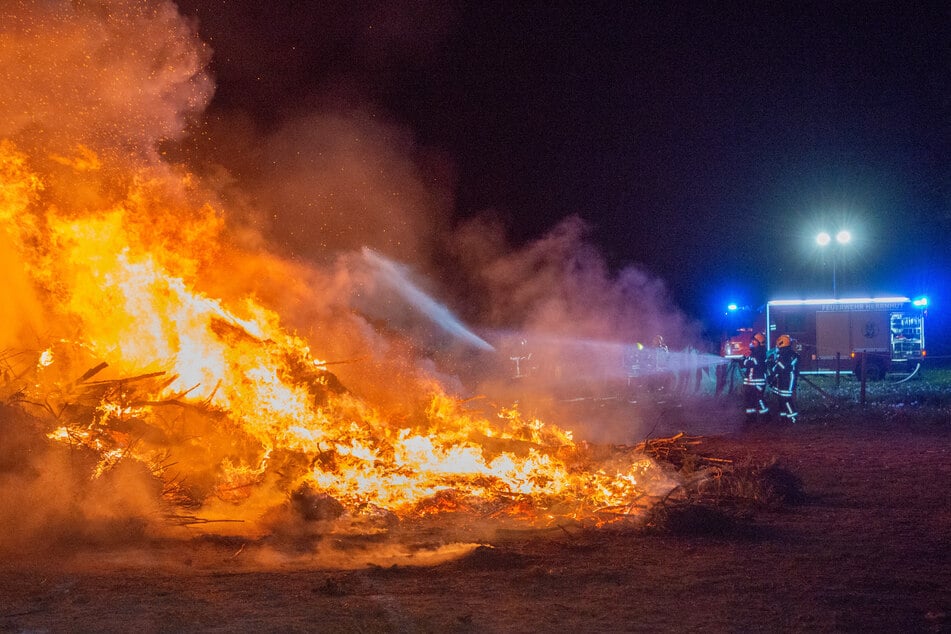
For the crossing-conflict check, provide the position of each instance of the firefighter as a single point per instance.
(785, 368)
(754, 377)
(664, 380)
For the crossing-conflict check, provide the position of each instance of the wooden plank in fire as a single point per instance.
(130, 379)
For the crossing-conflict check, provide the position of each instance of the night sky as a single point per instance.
(706, 142)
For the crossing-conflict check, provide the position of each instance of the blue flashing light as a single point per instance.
(731, 307)
(921, 302)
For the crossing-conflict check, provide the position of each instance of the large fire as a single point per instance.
(134, 341)
(237, 403)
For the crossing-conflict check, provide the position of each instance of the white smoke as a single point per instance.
(107, 74)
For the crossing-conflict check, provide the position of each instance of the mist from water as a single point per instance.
(609, 359)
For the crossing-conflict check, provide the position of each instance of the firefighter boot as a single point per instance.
(762, 408)
(790, 413)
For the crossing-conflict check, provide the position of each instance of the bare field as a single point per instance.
(863, 547)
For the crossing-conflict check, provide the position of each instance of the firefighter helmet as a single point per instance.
(758, 339)
(783, 341)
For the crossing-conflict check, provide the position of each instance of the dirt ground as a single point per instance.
(865, 548)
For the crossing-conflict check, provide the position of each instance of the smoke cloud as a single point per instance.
(332, 181)
(108, 74)
(560, 284)
(51, 505)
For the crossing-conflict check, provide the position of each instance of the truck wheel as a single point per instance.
(873, 372)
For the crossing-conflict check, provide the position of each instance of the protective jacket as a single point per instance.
(754, 380)
(785, 368)
(754, 367)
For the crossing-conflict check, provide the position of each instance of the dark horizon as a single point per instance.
(707, 144)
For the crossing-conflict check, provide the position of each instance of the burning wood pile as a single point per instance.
(229, 413)
(146, 333)
(342, 465)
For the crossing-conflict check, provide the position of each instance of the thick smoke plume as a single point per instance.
(561, 284)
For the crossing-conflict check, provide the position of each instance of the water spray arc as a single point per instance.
(397, 279)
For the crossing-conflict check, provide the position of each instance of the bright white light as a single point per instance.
(921, 302)
(850, 300)
(823, 239)
(731, 307)
(843, 237)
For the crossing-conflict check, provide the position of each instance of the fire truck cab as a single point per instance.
(885, 333)
(737, 345)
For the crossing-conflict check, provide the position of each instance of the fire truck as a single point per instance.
(886, 334)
